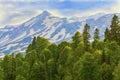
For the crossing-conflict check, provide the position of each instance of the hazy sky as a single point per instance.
(14, 12)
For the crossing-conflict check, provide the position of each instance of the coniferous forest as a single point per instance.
(78, 59)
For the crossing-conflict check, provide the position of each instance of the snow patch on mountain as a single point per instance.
(60, 35)
(49, 21)
(20, 37)
(30, 22)
(11, 45)
(56, 29)
(32, 31)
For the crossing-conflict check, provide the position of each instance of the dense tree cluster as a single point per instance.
(75, 60)
(113, 34)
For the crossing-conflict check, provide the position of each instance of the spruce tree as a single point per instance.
(34, 42)
(76, 39)
(114, 32)
(96, 41)
(107, 35)
(86, 37)
(96, 35)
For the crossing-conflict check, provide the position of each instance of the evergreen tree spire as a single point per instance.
(76, 39)
(114, 28)
(107, 35)
(96, 34)
(86, 37)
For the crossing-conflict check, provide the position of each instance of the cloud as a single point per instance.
(116, 7)
(17, 17)
(14, 12)
(3, 12)
(108, 8)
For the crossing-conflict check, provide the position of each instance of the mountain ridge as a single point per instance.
(56, 29)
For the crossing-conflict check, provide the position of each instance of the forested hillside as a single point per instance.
(79, 59)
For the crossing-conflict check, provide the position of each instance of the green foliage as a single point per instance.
(96, 35)
(114, 33)
(76, 39)
(116, 72)
(107, 35)
(89, 68)
(1, 73)
(114, 28)
(106, 72)
(9, 70)
(19, 77)
(86, 37)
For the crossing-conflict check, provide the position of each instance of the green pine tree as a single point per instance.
(86, 37)
(115, 29)
(107, 35)
(76, 39)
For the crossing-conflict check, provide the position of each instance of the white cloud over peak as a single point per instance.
(14, 12)
(116, 7)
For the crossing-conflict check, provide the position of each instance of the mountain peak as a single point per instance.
(44, 14)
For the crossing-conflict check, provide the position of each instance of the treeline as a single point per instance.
(75, 60)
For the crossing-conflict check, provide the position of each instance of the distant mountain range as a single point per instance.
(56, 29)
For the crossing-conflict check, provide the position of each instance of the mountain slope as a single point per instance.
(56, 29)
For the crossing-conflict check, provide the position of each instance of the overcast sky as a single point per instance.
(14, 12)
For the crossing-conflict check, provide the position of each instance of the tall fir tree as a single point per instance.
(96, 34)
(107, 35)
(115, 29)
(76, 39)
(86, 37)
(34, 42)
(96, 41)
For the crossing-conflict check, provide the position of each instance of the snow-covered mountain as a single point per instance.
(56, 29)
